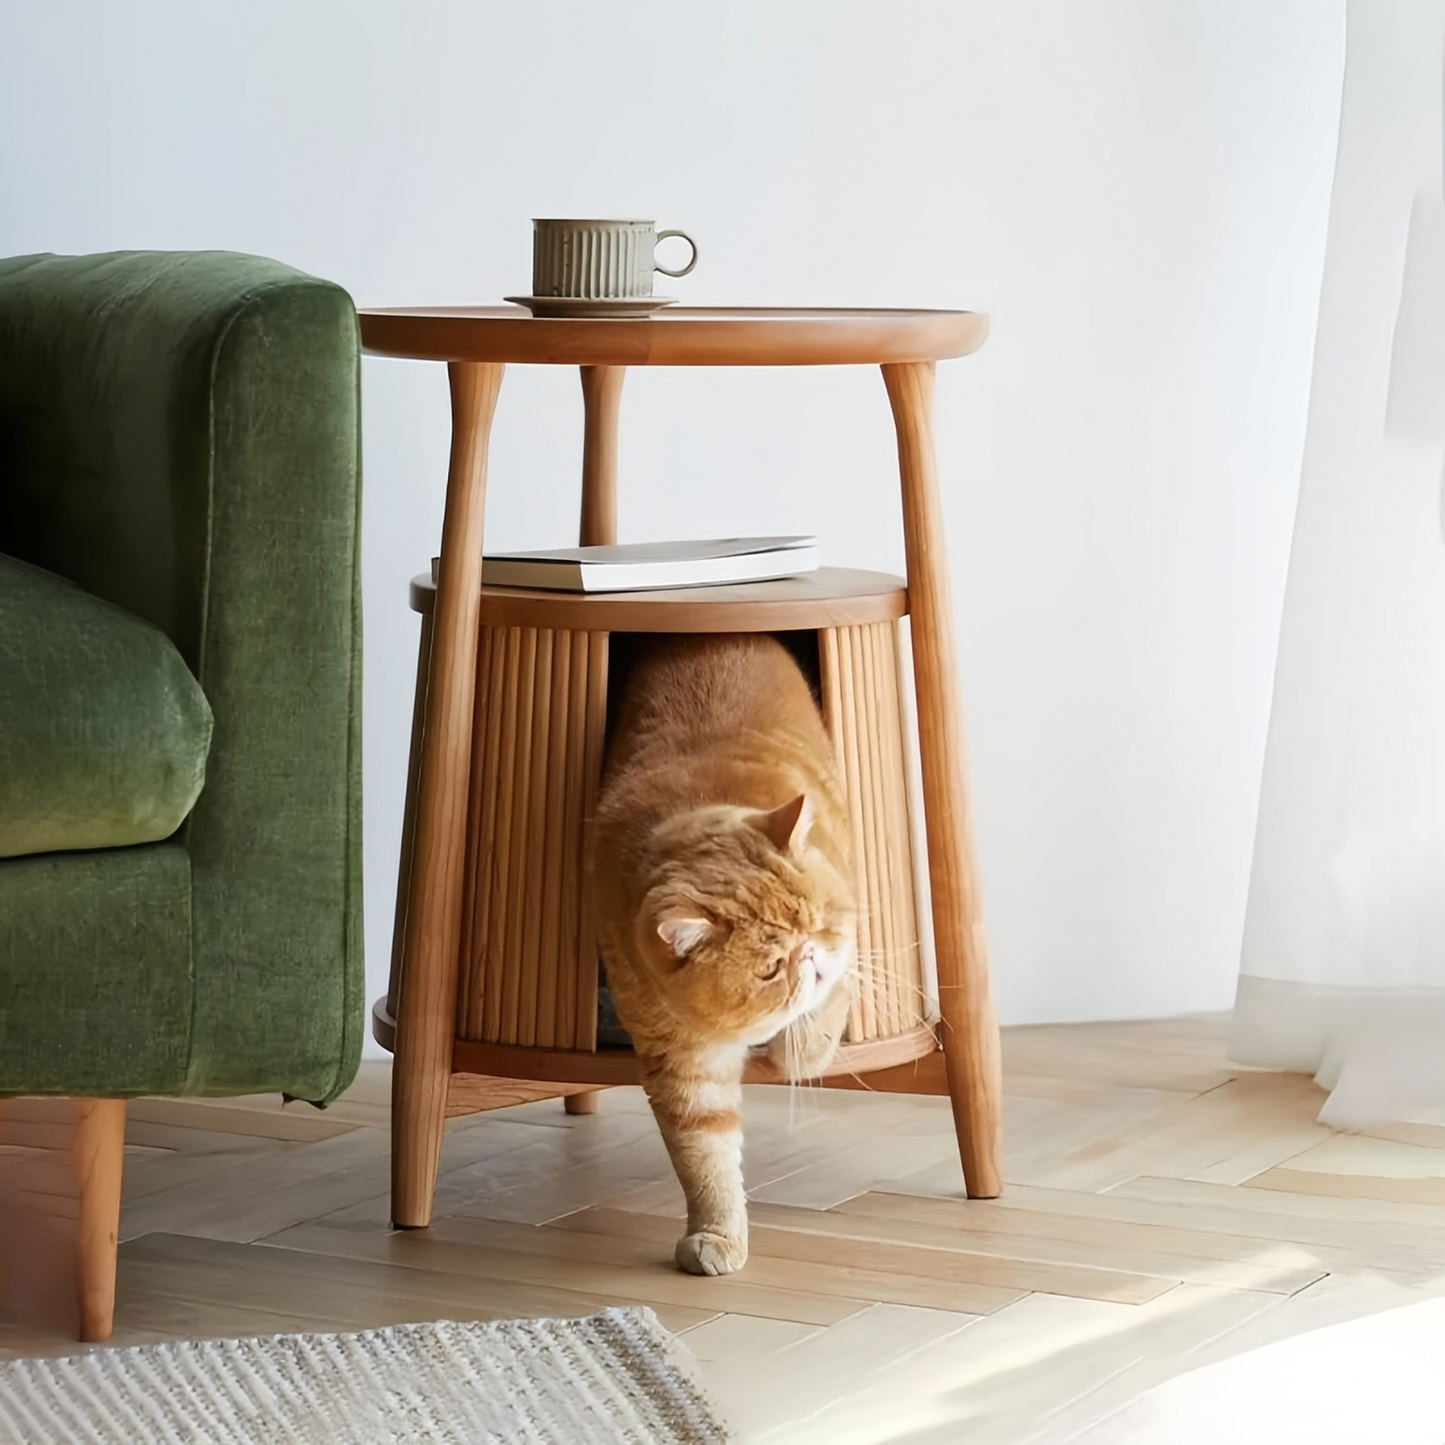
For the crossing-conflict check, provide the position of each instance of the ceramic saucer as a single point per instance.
(576, 307)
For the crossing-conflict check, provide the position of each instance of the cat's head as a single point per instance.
(746, 925)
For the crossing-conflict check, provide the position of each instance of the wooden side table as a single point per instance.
(496, 664)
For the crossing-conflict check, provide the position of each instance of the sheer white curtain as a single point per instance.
(1343, 966)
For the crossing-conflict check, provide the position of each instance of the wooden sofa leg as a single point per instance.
(98, 1154)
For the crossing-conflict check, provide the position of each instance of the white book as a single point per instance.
(641, 566)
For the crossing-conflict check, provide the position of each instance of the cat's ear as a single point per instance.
(682, 935)
(787, 827)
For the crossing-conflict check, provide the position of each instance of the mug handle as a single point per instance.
(662, 236)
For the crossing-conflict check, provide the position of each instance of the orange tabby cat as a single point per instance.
(725, 902)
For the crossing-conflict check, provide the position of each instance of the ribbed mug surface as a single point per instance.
(593, 260)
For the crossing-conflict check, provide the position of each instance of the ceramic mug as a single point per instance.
(599, 260)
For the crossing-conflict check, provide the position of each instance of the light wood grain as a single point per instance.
(830, 686)
(829, 597)
(744, 1336)
(878, 1308)
(517, 923)
(1179, 1054)
(98, 1155)
(1279, 1212)
(480, 1093)
(1227, 1134)
(1208, 1244)
(428, 996)
(594, 742)
(557, 846)
(619, 1066)
(299, 1121)
(255, 1195)
(318, 1289)
(822, 1238)
(627, 1271)
(1360, 1154)
(970, 1033)
(481, 956)
(832, 1273)
(1179, 1254)
(876, 786)
(1004, 1380)
(866, 987)
(875, 895)
(892, 856)
(471, 970)
(533, 870)
(1352, 1186)
(819, 1234)
(908, 967)
(408, 820)
(783, 1398)
(679, 336)
(570, 964)
(504, 782)
(602, 398)
(533, 783)
(926, 1074)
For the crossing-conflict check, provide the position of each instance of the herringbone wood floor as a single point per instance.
(1164, 1209)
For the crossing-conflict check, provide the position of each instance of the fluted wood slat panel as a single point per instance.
(529, 973)
(555, 781)
(853, 779)
(529, 958)
(830, 676)
(864, 812)
(573, 815)
(593, 740)
(472, 893)
(534, 867)
(499, 775)
(486, 859)
(903, 888)
(514, 919)
(861, 708)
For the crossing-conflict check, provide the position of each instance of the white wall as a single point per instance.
(1136, 190)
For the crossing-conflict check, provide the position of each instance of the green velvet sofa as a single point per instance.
(180, 797)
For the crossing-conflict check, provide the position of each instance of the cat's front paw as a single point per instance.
(705, 1253)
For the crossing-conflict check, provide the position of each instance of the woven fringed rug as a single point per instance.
(617, 1377)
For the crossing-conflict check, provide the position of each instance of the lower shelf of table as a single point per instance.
(619, 1066)
(829, 597)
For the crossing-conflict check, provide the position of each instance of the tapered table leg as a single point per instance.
(426, 1018)
(601, 397)
(969, 1032)
(97, 1157)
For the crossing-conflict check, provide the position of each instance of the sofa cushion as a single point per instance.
(103, 730)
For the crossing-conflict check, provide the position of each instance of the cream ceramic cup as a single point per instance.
(599, 260)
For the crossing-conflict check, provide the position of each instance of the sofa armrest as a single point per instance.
(179, 435)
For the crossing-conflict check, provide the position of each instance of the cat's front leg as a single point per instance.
(697, 1104)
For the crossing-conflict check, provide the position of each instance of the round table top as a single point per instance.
(677, 336)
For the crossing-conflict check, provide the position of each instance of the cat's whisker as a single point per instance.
(887, 953)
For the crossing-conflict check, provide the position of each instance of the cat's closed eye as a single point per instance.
(772, 968)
